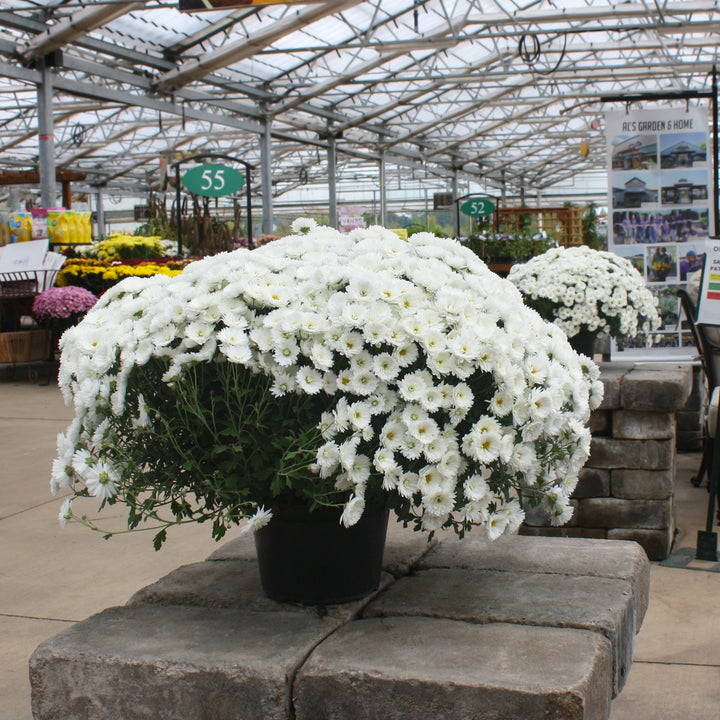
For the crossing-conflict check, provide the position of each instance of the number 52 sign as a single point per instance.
(212, 180)
(478, 207)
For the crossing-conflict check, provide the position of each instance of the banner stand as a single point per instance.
(708, 313)
(709, 303)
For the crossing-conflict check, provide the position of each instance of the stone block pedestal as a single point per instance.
(519, 629)
(626, 489)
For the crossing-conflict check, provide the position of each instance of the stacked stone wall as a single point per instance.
(689, 417)
(626, 489)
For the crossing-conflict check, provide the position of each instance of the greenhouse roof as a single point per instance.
(500, 91)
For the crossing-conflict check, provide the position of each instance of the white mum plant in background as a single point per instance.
(324, 369)
(585, 290)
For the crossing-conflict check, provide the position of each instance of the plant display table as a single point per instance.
(519, 629)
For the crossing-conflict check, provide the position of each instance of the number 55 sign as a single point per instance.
(212, 180)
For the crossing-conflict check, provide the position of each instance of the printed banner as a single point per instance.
(709, 301)
(659, 200)
(350, 217)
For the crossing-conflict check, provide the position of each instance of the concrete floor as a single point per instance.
(50, 577)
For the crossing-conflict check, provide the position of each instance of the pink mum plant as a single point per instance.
(62, 303)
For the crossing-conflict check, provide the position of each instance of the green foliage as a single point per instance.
(526, 222)
(589, 227)
(154, 226)
(509, 247)
(220, 438)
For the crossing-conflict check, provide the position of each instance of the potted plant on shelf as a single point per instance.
(589, 294)
(323, 374)
(502, 250)
(59, 308)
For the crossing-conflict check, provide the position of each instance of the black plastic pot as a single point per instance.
(583, 342)
(312, 559)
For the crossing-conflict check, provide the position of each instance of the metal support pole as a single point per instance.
(455, 205)
(46, 139)
(178, 213)
(332, 180)
(707, 540)
(716, 152)
(248, 203)
(383, 189)
(99, 214)
(266, 177)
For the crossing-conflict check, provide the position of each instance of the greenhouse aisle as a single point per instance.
(51, 577)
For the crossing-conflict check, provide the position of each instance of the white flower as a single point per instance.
(61, 476)
(353, 511)
(351, 343)
(303, 225)
(359, 471)
(406, 354)
(410, 447)
(321, 356)
(392, 434)
(347, 452)
(476, 489)
(360, 414)
(286, 352)
(438, 503)
(462, 396)
(260, 519)
(415, 385)
(309, 380)
(284, 382)
(425, 430)
(240, 353)
(408, 484)
(232, 336)
(328, 458)
(515, 515)
(495, 525)
(430, 480)
(386, 366)
(431, 523)
(363, 383)
(198, 332)
(384, 460)
(82, 461)
(101, 480)
(501, 403)
(66, 512)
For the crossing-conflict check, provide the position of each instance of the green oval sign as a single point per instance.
(478, 207)
(213, 180)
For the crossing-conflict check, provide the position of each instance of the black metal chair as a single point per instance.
(710, 362)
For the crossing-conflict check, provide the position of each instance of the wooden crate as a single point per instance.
(24, 346)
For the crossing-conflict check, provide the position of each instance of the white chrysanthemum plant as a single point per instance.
(588, 291)
(325, 369)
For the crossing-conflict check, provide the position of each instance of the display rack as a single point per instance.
(17, 292)
(26, 283)
(564, 224)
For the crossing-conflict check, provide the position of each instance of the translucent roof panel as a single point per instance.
(493, 91)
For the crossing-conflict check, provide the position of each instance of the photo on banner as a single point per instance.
(659, 200)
